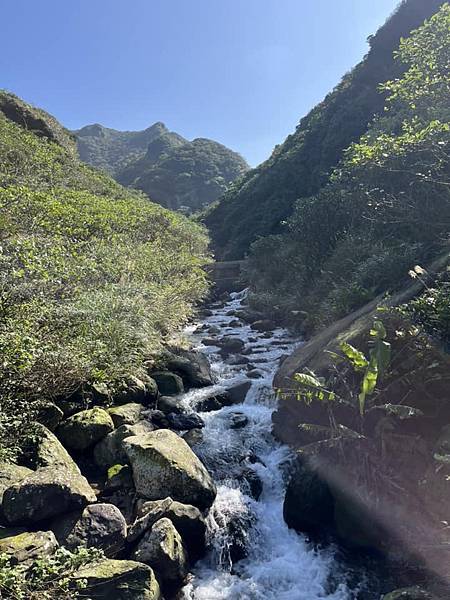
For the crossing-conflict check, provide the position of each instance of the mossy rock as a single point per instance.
(46, 493)
(49, 452)
(119, 580)
(163, 549)
(86, 428)
(164, 465)
(10, 474)
(126, 414)
(111, 450)
(28, 546)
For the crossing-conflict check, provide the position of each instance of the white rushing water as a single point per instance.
(280, 565)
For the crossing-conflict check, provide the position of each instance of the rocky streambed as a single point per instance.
(180, 483)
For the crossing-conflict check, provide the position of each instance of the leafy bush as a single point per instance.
(47, 578)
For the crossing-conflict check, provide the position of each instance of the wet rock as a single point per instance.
(193, 437)
(237, 360)
(255, 374)
(258, 361)
(158, 419)
(185, 421)
(235, 323)
(162, 548)
(169, 384)
(263, 325)
(238, 392)
(46, 493)
(126, 414)
(97, 526)
(205, 312)
(253, 482)
(192, 366)
(84, 429)
(210, 342)
(169, 404)
(28, 546)
(215, 402)
(164, 465)
(231, 345)
(119, 580)
(238, 420)
(248, 316)
(110, 450)
(213, 330)
(411, 593)
(308, 504)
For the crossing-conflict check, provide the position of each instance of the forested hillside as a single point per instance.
(386, 207)
(258, 204)
(93, 277)
(172, 171)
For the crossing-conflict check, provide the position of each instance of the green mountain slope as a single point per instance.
(171, 170)
(93, 276)
(257, 204)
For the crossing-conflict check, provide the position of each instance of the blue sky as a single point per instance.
(242, 72)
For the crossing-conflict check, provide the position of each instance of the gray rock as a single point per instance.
(169, 404)
(10, 474)
(263, 325)
(28, 546)
(141, 391)
(255, 374)
(193, 437)
(238, 420)
(193, 367)
(169, 384)
(231, 345)
(183, 422)
(410, 593)
(49, 452)
(214, 402)
(238, 392)
(49, 415)
(164, 465)
(119, 580)
(188, 521)
(162, 548)
(97, 526)
(46, 493)
(126, 414)
(84, 429)
(110, 450)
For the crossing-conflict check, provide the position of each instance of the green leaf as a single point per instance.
(356, 357)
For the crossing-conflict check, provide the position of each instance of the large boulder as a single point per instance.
(308, 504)
(188, 521)
(169, 384)
(237, 393)
(46, 493)
(263, 325)
(126, 414)
(28, 546)
(119, 580)
(111, 451)
(86, 428)
(98, 525)
(162, 548)
(49, 452)
(164, 465)
(185, 422)
(10, 474)
(192, 366)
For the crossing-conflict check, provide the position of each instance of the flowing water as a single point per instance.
(280, 564)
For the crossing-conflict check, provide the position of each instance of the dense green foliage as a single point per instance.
(258, 204)
(48, 577)
(172, 171)
(387, 205)
(92, 279)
